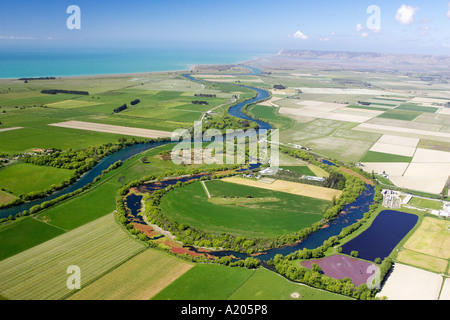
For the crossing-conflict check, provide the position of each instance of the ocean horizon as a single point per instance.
(28, 63)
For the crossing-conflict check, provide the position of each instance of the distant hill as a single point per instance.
(368, 57)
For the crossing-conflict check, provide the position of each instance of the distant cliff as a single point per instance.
(368, 57)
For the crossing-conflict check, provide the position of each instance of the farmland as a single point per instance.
(95, 247)
(242, 210)
(198, 284)
(139, 278)
(401, 134)
(38, 177)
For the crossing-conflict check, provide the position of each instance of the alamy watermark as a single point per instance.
(74, 280)
(239, 146)
(74, 20)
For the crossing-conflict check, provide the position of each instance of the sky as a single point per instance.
(254, 25)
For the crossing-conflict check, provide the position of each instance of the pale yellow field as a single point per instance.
(422, 261)
(289, 187)
(409, 283)
(431, 238)
(90, 126)
(40, 273)
(137, 279)
(72, 104)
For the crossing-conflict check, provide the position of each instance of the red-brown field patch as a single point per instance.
(340, 267)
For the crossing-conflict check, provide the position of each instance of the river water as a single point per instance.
(350, 214)
(125, 154)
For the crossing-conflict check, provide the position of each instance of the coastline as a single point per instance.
(112, 75)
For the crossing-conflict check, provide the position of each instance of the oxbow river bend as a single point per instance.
(349, 215)
(129, 152)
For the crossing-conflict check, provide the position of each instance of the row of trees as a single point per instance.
(55, 91)
(285, 266)
(121, 108)
(204, 103)
(205, 95)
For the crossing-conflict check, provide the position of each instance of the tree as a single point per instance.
(354, 253)
(316, 268)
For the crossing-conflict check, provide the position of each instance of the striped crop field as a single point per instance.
(140, 278)
(40, 273)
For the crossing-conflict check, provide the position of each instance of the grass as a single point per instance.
(400, 115)
(271, 115)
(6, 197)
(267, 285)
(216, 282)
(425, 203)
(423, 261)
(25, 177)
(268, 213)
(206, 282)
(139, 278)
(40, 273)
(25, 234)
(303, 170)
(416, 107)
(82, 209)
(165, 105)
(431, 238)
(372, 156)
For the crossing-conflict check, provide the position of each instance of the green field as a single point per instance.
(41, 272)
(25, 234)
(400, 115)
(373, 156)
(270, 114)
(6, 197)
(242, 210)
(139, 278)
(425, 203)
(206, 282)
(416, 107)
(216, 282)
(165, 104)
(303, 170)
(23, 178)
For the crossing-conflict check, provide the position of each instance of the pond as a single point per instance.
(386, 231)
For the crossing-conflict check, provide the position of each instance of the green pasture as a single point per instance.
(216, 282)
(205, 282)
(23, 178)
(303, 170)
(40, 273)
(25, 234)
(6, 197)
(400, 115)
(416, 107)
(271, 115)
(373, 156)
(241, 210)
(425, 203)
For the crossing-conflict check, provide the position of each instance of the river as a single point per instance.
(127, 153)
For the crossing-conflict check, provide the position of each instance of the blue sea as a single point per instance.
(65, 62)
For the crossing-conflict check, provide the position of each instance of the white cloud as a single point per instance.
(405, 14)
(300, 35)
(364, 34)
(17, 38)
(359, 27)
(423, 31)
(448, 12)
